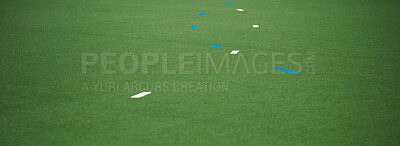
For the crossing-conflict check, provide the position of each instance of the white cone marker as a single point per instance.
(256, 26)
(240, 10)
(235, 52)
(140, 95)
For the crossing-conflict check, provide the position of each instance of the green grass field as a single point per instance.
(347, 92)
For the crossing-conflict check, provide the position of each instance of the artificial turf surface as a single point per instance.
(351, 99)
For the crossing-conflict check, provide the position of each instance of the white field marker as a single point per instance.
(240, 10)
(235, 52)
(256, 26)
(140, 95)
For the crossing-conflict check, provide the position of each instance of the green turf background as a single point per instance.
(353, 99)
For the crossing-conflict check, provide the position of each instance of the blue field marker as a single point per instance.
(201, 14)
(193, 27)
(286, 71)
(228, 4)
(215, 46)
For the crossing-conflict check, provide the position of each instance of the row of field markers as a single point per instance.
(142, 94)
